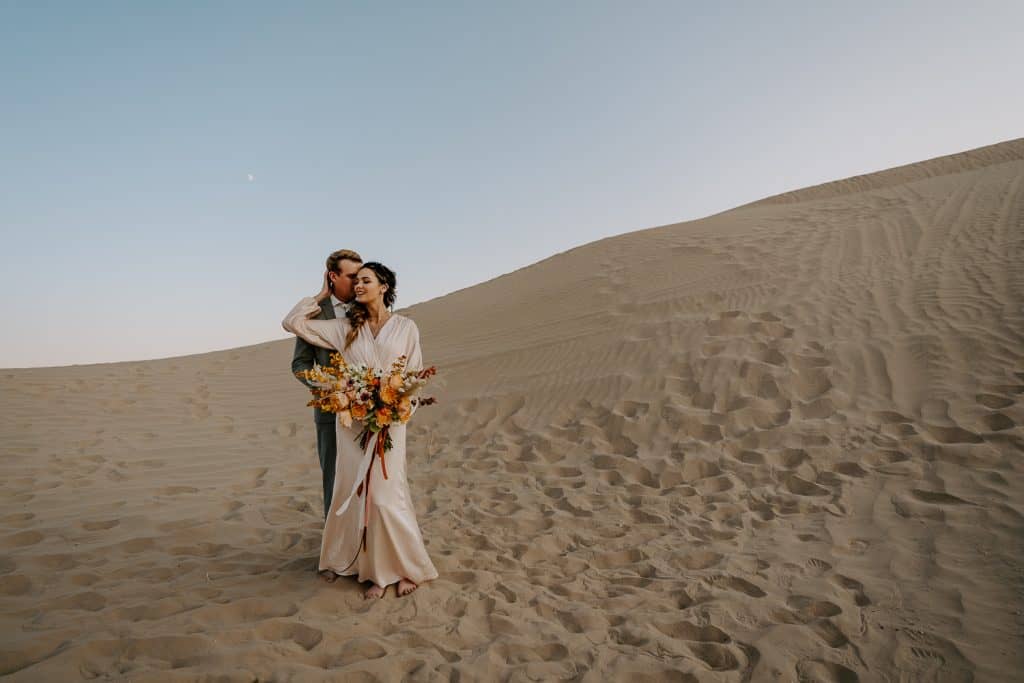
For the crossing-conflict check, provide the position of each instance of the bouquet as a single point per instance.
(377, 398)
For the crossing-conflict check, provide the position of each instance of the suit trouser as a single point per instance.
(327, 449)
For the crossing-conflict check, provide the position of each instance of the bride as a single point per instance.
(393, 551)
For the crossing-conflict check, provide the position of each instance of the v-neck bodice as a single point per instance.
(386, 322)
(396, 337)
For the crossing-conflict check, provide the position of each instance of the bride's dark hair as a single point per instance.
(357, 313)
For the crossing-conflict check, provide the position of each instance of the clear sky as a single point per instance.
(173, 174)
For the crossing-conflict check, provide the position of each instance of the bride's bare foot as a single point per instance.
(328, 576)
(405, 586)
(374, 591)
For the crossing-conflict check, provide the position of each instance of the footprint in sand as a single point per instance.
(938, 497)
(102, 656)
(176, 490)
(714, 656)
(22, 539)
(737, 584)
(829, 633)
(137, 545)
(304, 636)
(355, 651)
(686, 630)
(816, 566)
(85, 579)
(98, 524)
(17, 519)
(200, 550)
(89, 601)
(702, 559)
(951, 435)
(15, 584)
(850, 469)
(997, 422)
(821, 671)
(808, 608)
(286, 430)
(854, 586)
(994, 402)
(802, 487)
(888, 461)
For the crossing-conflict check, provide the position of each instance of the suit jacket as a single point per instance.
(307, 354)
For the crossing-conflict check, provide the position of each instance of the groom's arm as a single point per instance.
(303, 358)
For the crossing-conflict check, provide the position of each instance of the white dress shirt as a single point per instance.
(340, 307)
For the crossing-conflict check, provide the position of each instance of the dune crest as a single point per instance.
(779, 443)
(972, 159)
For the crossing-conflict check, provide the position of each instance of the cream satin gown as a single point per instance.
(394, 546)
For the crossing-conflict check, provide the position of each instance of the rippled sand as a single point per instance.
(780, 443)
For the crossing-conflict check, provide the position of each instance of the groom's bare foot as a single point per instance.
(405, 586)
(374, 591)
(328, 576)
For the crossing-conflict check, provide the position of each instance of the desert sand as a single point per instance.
(780, 443)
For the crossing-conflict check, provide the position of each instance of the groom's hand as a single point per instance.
(325, 291)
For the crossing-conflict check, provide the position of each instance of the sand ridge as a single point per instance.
(779, 443)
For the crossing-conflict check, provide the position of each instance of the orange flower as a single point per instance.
(395, 381)
(341, 400)
(404, 409)
(383, 416)
(359, 411)
(388, 395)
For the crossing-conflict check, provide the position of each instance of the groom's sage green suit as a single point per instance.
(303, 358)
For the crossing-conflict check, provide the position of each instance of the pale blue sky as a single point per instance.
(453, 141)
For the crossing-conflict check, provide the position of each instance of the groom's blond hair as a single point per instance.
(342, 255)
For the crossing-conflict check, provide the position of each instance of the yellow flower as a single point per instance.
(341, 400)
(359, 411)
(388, 395)
(395, 381)
(383, 416)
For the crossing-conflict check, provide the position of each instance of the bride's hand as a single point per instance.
(325, 291)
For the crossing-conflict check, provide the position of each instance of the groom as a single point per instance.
(342, 267)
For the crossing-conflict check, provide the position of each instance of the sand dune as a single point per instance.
(780, 443)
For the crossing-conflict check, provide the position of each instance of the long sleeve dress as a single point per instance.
(394, 546)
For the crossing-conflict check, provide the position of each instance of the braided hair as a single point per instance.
(357, 313)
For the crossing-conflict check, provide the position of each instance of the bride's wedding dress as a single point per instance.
(394, 547)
